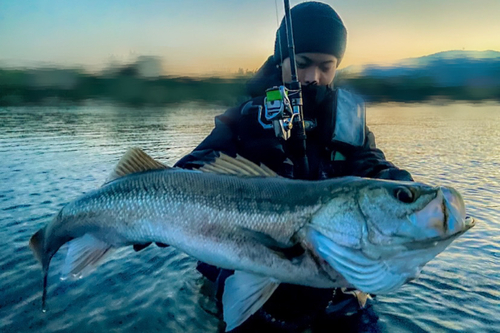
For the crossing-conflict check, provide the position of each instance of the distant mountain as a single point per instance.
(445, 69)
(450, 55)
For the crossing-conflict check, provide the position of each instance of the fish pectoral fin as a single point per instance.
(244, 294)
(135, 160)
(239, 166)
(285, 251)
(84, 254)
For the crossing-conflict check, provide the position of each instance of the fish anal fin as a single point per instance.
(135, 160)
(84, 254)
(244, 294)
(36, 244)
(239, 166)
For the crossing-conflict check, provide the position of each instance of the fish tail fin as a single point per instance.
(44, 292)
(37, 245)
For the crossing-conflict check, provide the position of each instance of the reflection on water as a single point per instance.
(51, 155)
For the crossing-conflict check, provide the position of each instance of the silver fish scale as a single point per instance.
(218, 219)
(255, 203)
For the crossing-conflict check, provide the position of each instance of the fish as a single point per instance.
(350, 232)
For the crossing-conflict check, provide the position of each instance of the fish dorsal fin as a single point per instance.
(240, 166)
(244, 294)
(135, 160)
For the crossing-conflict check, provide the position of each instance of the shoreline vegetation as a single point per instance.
(52, 86)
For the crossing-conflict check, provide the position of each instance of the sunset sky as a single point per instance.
(200, 36)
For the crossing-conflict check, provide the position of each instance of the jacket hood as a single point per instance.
(268, 76)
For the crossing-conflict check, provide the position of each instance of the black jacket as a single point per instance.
(238, 131)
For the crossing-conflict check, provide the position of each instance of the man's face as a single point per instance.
(312, 68)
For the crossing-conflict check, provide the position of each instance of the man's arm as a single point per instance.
(369, 161)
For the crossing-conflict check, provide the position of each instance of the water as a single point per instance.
(48, 156)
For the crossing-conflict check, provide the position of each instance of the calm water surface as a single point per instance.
(49, 156)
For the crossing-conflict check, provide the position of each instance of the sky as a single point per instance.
(219, 36)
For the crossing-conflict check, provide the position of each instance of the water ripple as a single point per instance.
(50, 156)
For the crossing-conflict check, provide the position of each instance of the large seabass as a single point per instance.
(372, 235)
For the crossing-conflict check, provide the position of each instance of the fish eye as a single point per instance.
(404, 194)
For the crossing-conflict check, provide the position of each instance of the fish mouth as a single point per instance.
(442, 218)
(454, 210)
(469, 222)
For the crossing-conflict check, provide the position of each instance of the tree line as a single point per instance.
(54, 86)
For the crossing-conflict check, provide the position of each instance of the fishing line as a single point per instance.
(278, 26)
(279, 37)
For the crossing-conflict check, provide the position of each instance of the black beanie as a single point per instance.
(317, 28)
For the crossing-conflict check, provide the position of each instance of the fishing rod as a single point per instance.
(296, 98)
(284, 107)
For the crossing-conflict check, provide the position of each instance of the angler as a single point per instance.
(337, 141)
